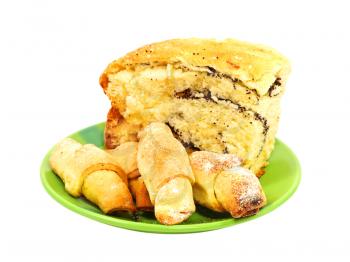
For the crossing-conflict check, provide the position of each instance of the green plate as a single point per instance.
(280, 182)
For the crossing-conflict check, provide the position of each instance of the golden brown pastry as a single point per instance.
(174, 201)
(134, 174)
(140, 194)
(239, 192)
(219, 96)
(222, 185)
(126, 156)
(74, 163)
(165, 168)
(61, 159)
(118, 131)
(107, 190)
(206, 166)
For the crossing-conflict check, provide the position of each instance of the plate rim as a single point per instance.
(158, 228)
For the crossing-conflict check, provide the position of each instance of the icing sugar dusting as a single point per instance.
(207, 166)
(214, 162)
(249, 187)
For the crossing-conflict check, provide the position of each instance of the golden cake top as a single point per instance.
(256, 66)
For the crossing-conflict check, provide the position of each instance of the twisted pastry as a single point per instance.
(165, 168)
(88, 170)
(224, 186)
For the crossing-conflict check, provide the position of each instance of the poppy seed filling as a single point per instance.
(207, 95)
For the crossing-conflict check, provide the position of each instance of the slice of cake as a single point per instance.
(219, 96)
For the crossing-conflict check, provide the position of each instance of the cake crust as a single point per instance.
(257, 66)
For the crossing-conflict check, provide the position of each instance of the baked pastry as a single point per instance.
(206, 166)
(165, 168)
(118, 131)
(126, 157)
(219, 96)
(108, 191)
(239, 192)
(223, 186)
(140, 194)
(88, 170)
(174, 201)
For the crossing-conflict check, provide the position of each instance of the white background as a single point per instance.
(51, 55)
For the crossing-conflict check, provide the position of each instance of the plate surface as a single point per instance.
(280, 182)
